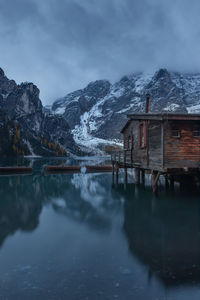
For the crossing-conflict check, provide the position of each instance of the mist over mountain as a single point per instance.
(89, 119)
(68, 43)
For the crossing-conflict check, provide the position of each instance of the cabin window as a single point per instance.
(196, 133)
(176, 133)
(142, 136)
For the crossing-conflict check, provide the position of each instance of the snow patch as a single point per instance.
(135, 102)
(142, 81)
(171, 107)
(116, 92)
(88, 123)
(194, 109)
(31, 150)
(60, 110)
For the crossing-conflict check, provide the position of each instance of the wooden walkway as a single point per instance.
(125, 159)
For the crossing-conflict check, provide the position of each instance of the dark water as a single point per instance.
(80, 237)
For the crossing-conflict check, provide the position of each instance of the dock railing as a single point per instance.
(122, 157)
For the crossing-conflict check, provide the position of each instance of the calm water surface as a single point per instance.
(81, 237)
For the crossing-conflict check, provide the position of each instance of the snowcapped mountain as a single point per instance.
(98, 112)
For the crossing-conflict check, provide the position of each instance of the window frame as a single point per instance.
(175, 130)
(142, 135)
(196, 130)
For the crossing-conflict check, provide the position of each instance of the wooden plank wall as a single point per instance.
(139, 155)
(155, 144)
(183, 151)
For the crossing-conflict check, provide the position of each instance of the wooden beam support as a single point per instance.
(113, 172)
(125, 176)
(154, 181)
(166, 182)
(137, 176)
(143, 177)
(117, 173)
(171, 179)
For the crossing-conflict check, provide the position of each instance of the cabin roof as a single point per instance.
(161, 117)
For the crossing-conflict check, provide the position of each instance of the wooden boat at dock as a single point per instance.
(105, 168)
(77, 169)
(15, 170)
(62, 169)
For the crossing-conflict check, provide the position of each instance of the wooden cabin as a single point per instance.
(162, 143)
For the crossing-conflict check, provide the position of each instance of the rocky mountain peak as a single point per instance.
(126, 82)
(23, 99)
(98, 88)
(6, 85)
(25, 128)
(162, 73)
(101, 105)
(1, 73)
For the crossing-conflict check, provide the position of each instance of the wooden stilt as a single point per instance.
(154, 181)
(143, 176)
(125, 176)
(113, 173)
(166, 182)
(117, 174)
(171, 179)
(137, 176)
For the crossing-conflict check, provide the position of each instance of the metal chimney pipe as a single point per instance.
(147, 103)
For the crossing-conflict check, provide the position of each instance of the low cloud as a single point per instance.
(63, 45)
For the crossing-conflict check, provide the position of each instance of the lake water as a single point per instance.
(79, 236)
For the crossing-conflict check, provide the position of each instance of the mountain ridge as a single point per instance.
(25, 128)
(96, 118)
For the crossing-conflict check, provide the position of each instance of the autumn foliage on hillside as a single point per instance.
(13, 143)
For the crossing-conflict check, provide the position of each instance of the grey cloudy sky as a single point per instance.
(61, 45)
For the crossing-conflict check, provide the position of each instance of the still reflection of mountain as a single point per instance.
(20, 205)
(83, 197)
(164, 234)
(89, 200)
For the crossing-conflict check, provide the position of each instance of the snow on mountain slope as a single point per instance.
(90, 122)
(97, 113)
(190, 86)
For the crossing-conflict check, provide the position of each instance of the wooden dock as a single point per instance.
(125, 160)
(161, 144)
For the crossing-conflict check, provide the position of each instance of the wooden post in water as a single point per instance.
(143, 176)
(117, 173)
(113, 172)
(154, 180)
(166, 182)
(171, 179)
(125, 176)
(137, 176)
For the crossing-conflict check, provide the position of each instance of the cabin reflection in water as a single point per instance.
(164, 234)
